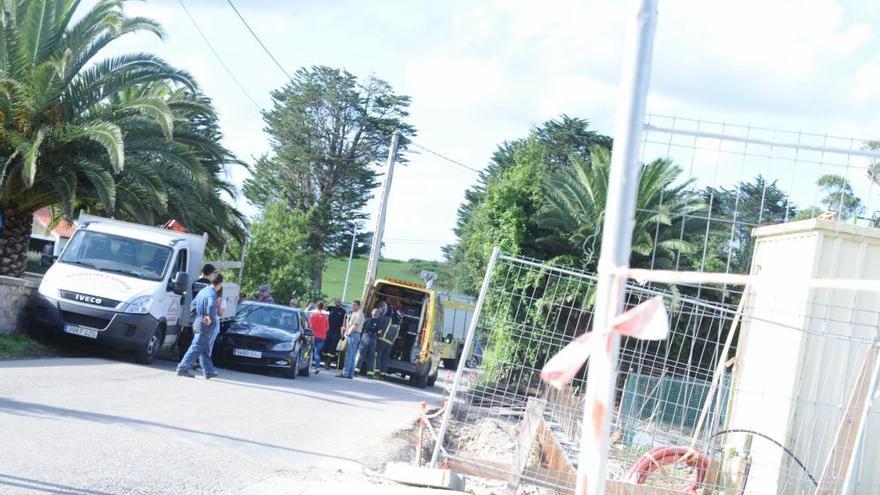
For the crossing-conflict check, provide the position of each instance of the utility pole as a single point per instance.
(348, 270)
(373, 264)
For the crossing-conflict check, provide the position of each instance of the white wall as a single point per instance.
(801, 350)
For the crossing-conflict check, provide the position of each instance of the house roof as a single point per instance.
(65, 227)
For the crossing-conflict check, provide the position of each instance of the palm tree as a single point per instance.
(575, 208)
(127, 135)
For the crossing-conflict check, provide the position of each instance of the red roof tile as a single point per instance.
(65, 227)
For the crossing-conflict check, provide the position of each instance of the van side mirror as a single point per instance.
(179, 283)
(47, 257)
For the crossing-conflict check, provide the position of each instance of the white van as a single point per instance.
(124, 285)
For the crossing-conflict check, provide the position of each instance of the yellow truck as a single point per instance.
(414, 353)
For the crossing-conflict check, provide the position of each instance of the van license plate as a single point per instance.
(81, 331)
(247, 353)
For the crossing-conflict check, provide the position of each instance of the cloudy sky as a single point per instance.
(483, 72)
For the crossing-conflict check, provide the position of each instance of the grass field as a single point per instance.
(334, 274)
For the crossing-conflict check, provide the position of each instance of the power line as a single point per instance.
(248, 26)
(450, 160)
(217, 55)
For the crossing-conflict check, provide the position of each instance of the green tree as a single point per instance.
(506, 217)
(553, 144)
(575, 210)
(278, 253)
(80, 132)
(733, 214)
(327, 130)
(561, 140)
(839, 196)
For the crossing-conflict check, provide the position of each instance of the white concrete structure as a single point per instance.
(801, 350)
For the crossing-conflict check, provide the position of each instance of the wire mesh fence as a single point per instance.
(756, 389)
(771, 423)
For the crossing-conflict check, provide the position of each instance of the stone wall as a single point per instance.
(15, 296)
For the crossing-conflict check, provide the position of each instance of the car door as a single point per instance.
(174, 303)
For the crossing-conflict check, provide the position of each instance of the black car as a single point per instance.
(271, 337)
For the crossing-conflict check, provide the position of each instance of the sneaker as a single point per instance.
(341, 375)
(210, 375)
(186, 373)
(317, 370)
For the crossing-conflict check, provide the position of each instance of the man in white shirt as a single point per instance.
(353, 329)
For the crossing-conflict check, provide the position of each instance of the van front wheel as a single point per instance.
(150, 348)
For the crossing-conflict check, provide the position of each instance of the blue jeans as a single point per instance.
(199, 349)
(351, 350)
(319, 345)
(215, 331)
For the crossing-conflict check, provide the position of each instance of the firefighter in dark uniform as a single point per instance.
(386, 339)
(366, 354)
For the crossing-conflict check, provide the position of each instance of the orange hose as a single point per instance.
(662, 456)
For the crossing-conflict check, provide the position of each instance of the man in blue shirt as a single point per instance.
(204, 305)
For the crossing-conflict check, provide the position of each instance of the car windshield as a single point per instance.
(122, 255)
(270, 316)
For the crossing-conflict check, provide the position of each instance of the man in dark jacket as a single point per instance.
(336, 316)
(366, 358)
(385, 340)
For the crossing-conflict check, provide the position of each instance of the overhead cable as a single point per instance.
(262, 45)
(218, 57)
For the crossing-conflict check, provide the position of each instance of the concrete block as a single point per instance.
(423, 476)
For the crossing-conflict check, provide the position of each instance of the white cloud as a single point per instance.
(483, 72)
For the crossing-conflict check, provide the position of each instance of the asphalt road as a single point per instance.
(103, 426)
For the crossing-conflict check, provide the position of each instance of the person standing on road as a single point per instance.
(319, 323)
(385, 340)
(264, 295)
(366, 355)
(294, 302)
(204, 280)
(353, 329)
(215, 330)
(336, 316)
(205, 307)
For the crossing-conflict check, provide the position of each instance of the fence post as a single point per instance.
(616, 245)
(465, 352)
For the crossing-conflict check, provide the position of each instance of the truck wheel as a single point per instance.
(450, 363)
(420, 380)
(432, 379)
(150, 348)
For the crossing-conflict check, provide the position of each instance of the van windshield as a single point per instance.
(122, 255)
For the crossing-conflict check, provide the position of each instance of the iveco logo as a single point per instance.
(88, 299)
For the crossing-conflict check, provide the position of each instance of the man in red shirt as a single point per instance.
(319, 322)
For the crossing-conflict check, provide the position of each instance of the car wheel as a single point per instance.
(291, 372)
(307, 369)
(150, 348)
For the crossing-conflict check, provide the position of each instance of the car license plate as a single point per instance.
(247, 353)
(81, 331)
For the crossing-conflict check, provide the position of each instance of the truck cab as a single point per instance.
(123, 285)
